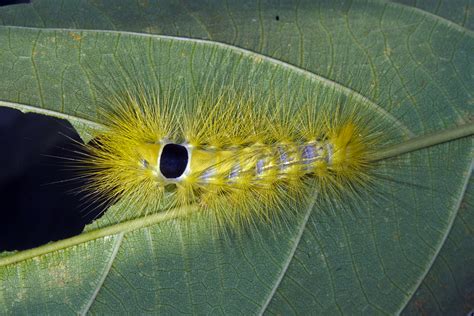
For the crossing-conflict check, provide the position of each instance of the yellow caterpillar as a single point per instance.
(236, 156)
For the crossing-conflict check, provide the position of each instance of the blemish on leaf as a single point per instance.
(75, 36)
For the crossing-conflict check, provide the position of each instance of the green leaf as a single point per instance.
(457, 11)
(420, 69)
(447, 288)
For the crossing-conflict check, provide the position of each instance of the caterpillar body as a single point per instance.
(237, 158)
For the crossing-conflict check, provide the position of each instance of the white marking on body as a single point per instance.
(283, 158)
(234, 172)
(330, 153)
(207, 174)
(259, 167)
(308, 154)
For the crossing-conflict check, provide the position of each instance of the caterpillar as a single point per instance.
(238, 156)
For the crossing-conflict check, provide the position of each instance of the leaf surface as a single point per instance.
(420, 68)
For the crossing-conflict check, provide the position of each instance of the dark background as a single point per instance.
(39, 198)
(7, 2)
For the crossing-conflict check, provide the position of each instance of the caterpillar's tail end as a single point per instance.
(351, 152)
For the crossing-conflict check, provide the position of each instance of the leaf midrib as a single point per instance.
(115, 229)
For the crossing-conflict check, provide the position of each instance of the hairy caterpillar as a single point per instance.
(238, 156)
